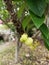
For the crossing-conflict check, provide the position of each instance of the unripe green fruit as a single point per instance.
(23, 37)
(29, 41)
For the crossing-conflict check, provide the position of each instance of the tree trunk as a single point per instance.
(16, 22)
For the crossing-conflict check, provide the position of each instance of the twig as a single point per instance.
(35, 35)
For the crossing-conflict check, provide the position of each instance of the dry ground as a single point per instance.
(39, 56)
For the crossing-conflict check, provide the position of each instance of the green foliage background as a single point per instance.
(32, 13)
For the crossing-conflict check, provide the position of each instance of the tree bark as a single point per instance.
(14, 17)
(16, 22)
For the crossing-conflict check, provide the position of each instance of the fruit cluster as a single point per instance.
(25, 39)
(28, 41)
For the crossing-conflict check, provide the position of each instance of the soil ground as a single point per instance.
(39, 56)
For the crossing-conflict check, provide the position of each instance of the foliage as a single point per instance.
(37, 7)
(32, 11)
(3, 12)
(37, 14)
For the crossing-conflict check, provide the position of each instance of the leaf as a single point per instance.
(17, 0)
(47, 1)
(21, 10)
(29, 28)
(25, 22)
(38, 21)
(45, 34)
(44, 30)
(37, 6)
(46, 42)
(30, 25)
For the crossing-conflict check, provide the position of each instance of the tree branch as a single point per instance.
(14, 18)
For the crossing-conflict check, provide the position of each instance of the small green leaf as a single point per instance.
(25, 22)
(21, 10)
(38, 21)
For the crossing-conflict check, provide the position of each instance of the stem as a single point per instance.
(35, 35)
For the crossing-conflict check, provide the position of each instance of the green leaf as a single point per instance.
(25, 22)
(37, 6)
(16, 0)
(38, 21)
(46, 42)
(47, 1)
(45, 34)
(30, 25)
(21, 10)
(44, 30)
